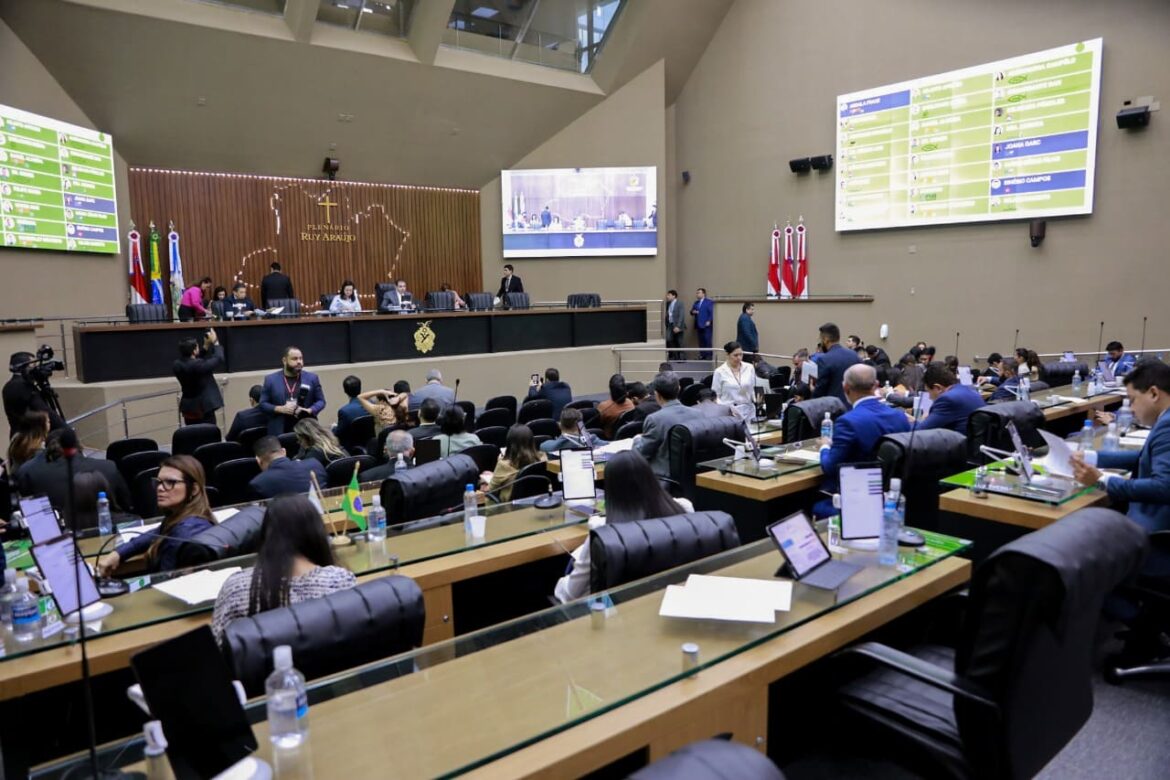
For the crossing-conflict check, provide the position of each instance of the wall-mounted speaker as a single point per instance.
(686, 177)
(1133, 117)
(822, 162)
(1036, 230)
(330, 167)
(800, 165)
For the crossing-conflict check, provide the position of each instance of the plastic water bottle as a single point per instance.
(401, 464)
(470, 507)
(1112, 440)
(827, 427)
(1087, 436)
(1076, 382)
(891, 526)
(288, 704)
(7, 596)
(26, 613)
(1124, 417)
(104, 518)
(1025, 388)
(376, 521)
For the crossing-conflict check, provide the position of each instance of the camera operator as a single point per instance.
(28, 390)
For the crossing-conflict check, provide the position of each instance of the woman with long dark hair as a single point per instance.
(28, 440)
(294, 564)
(346, 301)
(520, 452)
(632, 492)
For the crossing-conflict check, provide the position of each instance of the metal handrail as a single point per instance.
(126, 417)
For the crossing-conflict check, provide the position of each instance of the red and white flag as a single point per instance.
(774, 265)
(787, 272)
(139, 292)
(800, 281)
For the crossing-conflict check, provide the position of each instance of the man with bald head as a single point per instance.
(856, 433)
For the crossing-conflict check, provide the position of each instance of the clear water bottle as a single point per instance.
(376, 521)
(1124, 417)
(1025, 388)
(26, 613)
(827, 427)
(400, 464)
(891, 526)
(288, 704)
(1087, 436)
(104, 518)
(1112, 440)
(470, 507)
(1076, 382)
(8, 595)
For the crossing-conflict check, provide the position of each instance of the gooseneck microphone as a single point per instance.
(1142, 351)
(1100, 339)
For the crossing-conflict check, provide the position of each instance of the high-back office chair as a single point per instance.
(544, 427)
(536, 409)
(582, 404)
(130, 466)
(468, 414)
(292, 447)
(624, 552)
(803, 420)
(690, 395)
(628, 430)
(1144, 652)
(695, 441)
(238, 535)
(1061, 374)
(249, 436)
(143, 495)
(503, 402)
(439, 300)
(123, 447)
(358, 433)
(218, 309)
(214, 453)
(326, 300)
(590, 416)
(532, 484)
(339, 473)
(480, 301)
(189, 438)
(486, 456)
(429, 489)
(489, 418)
(937, 453)
(291, 306)
(517, 300)
(381, 289)
(629, 416)
(987, 426)
(348, 628)
(711, 759)
(232, 479)
(495, 435)
(583, 301)
(1018, 685)
(147, 312)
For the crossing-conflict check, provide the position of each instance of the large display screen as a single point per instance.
(1013, 139)
(580, 212)
(56, 185)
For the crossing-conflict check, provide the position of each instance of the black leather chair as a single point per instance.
(480, 301)
(503, 402)
(624, 552)
(381, 289)
(1017, 686)
(325, 301)
(987, 426)
(357, 434)
(629, 416)
(291, 307)
(532, 485)
(232, 479)
(217, 452)
(143, 494)
(505, 418)
(937, 453)
(340, 472)
(1061, 374)
(468, 414)
(439, 300)
(544, 427)
(130, 466)
(628, 430)
(690, 395)
(536, 409)
(711, 759)
(583, 301)
(249, 436)
(803, 420)
(189, 438)
(292, 447)
(348, 628)
(707, 380)
(1144, 651)
(695, 441)
(148, 312)
(590, 416)
(428, 489)
(582, 404)
(238, 535)
(495, 435)
(123, 447)
(517, 300)
(486, 456)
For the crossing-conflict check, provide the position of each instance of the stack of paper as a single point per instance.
(1058, 461)
(727, 598)
(614, 447)
(198, 587)
(800, 456)
(224, 514)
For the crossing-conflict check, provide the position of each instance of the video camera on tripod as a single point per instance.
(40, 367)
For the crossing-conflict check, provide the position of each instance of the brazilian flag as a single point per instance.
(352, 503)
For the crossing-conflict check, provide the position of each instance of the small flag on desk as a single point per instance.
(316, 502)
(352, 504)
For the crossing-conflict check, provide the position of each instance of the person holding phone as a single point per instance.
(195, 369)
(551, 388)
(291, 393)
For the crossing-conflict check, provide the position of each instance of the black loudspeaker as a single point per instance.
(800, 165)
(686, 177)
(1036, 230)
(822, 162)
(1133, 117)
(330, 167)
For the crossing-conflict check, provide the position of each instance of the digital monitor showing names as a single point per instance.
(1014, 139)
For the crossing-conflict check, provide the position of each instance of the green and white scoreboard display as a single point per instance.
(1013, 139)
(56, 185)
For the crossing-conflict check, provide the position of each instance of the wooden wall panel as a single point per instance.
(232, 226)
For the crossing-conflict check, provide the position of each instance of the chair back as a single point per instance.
(123, 447)
(694, 441)
(531, 487)
(690, 394)
(583, 301)
(344, 629)
(148, 312)
(468, 414)
(590, 416)
(495, 435)
(987, 426)
(291, 306)
(340, 472)
(428, 489)
(711, 759)
(249, 436)
(292, 447)
(130, 466)
(357, 433)
(486, 456)
(480, 301)
(238, 535)
(505, 418)
(545, 427)
(1061, 374)
(143, 495)
(380, 289)
(326, 300)
(536, 409)
(624, 552)
(1029, 638)
(232, 478)
(629, 416)
(582, 404)
(217, 452)
(803, 420)
(517, 300)
(628, 430)
(937, 453)
(503, 402)
(439, 300)
(189, 438)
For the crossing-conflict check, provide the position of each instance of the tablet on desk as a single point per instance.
(578, 480)
(861, 501)
(808, 557)
(40, 518)
(63, 567)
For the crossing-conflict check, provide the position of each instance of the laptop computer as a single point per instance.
(806, 554)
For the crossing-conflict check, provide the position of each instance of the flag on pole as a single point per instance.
(774, 264)
(800, 287)
(156, 286)
(176, 270)
(787, 272)
(352, 504)
(138, 289)
(316, 502)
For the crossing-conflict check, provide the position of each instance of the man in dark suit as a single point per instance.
(856, 433)
(674, 324)
(280, 476)
(195, 369)
(252, 417)
(398, 442)
(552, 389)
(951, 402)
(746, 332)
(46, 474)
(703, 310)
(645, 405)
(239, 305)
(428, 420)
(353, 409)
(291, 393)
(509, 283)
(275, 285)
(832, 363)
(397, 298)
(651, 442)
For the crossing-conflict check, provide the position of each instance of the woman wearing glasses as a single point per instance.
(182, 499)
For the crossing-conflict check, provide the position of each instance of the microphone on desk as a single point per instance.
(1100, 338)
(549, 501)
(455, 397)
(111, 586)
(1142, 351)
(957, 346)
(1016, 341)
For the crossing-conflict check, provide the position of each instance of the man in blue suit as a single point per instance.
(551, 389)
(280, 476)
(353, 409)
(856, 433)
(832, 364)
(703, 311)
(1120, 363)
(746, 332)
(1148, 489)
(291, 393)
(951, 402)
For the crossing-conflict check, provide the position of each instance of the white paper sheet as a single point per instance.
(199, 587)
(1134, 442)
(1058, 460)
(1138, 433)
(682, 602)
(809, 368)
(130, 533)
(614, 447)
(224, 514)
(777, 594)
(801, 456)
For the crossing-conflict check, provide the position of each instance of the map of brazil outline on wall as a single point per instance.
(56, 185)
(1013, 139)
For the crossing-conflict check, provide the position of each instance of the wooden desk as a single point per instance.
(1016, 511)
(760, 489)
